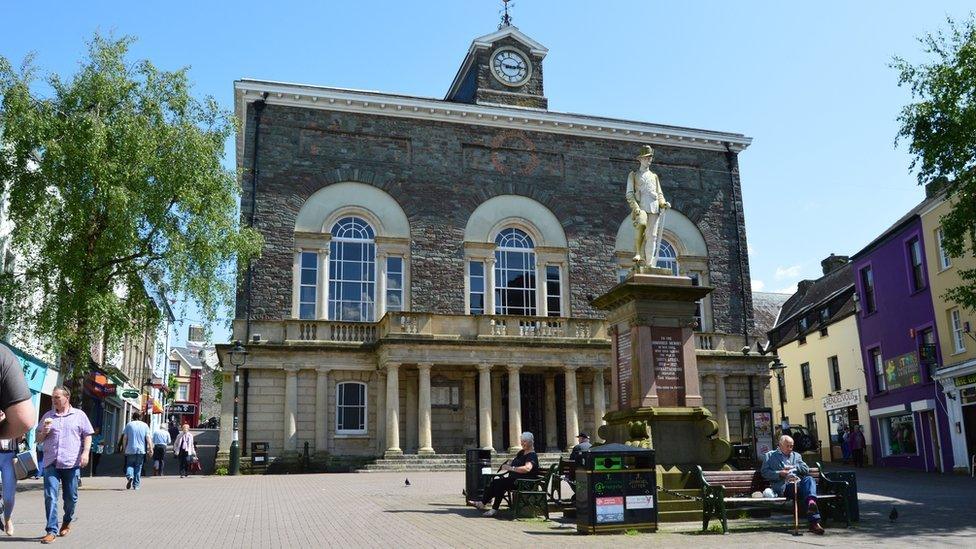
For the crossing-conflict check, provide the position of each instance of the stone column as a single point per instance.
(552, 444)
(423, 412)
(380, 303)
(322, 409)
(489, 285)
(291, 409)
(484, 406)
(322, 291)
(514, 408)
(721, 406)
(410, 431)
(572, 419)
(599, 404)
(380, 441)
(392, 410)
(296, 282)
(496, 410)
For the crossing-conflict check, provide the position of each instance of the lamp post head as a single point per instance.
(238, 355)
(776, 367)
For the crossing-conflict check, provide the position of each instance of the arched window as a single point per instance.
(667, 258)
(514, 273)
(352, 270)
(351, 408)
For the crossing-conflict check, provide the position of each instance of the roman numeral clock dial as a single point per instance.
(510, 67)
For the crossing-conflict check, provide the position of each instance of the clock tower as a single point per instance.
(501, 68)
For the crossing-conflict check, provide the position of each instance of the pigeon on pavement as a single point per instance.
(406, 482)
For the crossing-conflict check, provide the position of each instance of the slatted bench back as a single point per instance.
(738, 483)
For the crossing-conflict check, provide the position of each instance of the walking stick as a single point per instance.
(796, 510)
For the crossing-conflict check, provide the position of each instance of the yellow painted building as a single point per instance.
(822, 386)
(956, 327)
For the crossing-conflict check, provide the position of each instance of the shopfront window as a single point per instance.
(898, 435)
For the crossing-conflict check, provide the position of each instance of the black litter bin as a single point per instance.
(477, 464)
(853, 510)
(742, 457)
(616, 490)
(259, 457)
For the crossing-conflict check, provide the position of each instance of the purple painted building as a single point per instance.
(899, 344)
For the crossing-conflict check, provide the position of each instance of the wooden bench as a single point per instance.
(530, 496)
(723, 490)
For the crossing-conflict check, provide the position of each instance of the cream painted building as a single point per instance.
(822, 386)
(956, 326)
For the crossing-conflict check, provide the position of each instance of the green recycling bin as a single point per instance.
(616, 490)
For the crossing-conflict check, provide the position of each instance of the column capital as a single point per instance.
(513, 368)
(425, 366)
(484, 367)
(392, 366)
(292, 369)
(490, 260)
(325, 251)
(720, 375)
(571, 367)
(323, 370)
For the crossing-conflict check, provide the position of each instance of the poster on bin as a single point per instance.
(609, 509)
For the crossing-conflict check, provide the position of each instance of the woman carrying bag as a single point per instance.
(185, 449)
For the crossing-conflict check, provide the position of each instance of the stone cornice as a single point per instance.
(381, 104)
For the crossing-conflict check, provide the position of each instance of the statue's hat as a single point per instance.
(645, 150)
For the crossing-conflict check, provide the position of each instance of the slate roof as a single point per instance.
(834, 291)
(766, 307)
(189, 357)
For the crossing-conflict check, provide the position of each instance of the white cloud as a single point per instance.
(758, 285)
(787, 290)
(787, 272)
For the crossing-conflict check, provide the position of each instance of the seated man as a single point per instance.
(525, 464)
(786, 472)
(576, 455)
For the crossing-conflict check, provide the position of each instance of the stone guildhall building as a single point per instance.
(426, 281)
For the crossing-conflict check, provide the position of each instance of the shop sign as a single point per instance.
(130, 393)
(965, 380)
(902, 371)
(842, 400)
(183, 408)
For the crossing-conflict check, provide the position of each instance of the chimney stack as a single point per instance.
(834, 262)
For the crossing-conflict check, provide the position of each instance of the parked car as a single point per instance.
(803, 439)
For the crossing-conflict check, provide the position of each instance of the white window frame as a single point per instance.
(183, 388)
(670, 261)
(403, 277)
(365, 406)
(170, 370)
(302, 268)
(944, 260)
(559, 290)
(958, 338)
(469, 292)
(371, 307)
(531, 304)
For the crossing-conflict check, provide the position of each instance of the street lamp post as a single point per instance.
(238, 356)
(777, 368)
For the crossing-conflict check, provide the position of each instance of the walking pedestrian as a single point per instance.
(8, 452)
(66, 434)
(136, 440)
(174, 430)
(161, 439)
(185, 448)
(98, 448)
(856, 440)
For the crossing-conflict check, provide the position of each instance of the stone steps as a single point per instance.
(442, 462)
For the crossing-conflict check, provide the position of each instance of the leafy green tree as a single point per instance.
(115, 182)
(940, 126)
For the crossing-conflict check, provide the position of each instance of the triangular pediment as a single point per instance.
(486, 41)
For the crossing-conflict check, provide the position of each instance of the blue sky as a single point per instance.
(810, 82)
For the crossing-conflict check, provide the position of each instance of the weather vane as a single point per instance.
(506, 18)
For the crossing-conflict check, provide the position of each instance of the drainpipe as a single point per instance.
(730, 158)
(258, 109)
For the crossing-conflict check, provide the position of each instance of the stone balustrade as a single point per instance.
(457, 327)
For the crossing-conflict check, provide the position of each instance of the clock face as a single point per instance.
(510, 67)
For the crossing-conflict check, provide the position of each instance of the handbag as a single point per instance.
(25, 465)
(195, 465)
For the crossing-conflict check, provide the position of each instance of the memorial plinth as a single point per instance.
(656, 399)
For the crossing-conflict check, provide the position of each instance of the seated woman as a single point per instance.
(525, 464)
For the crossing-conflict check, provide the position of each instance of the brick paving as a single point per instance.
(377, 510)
